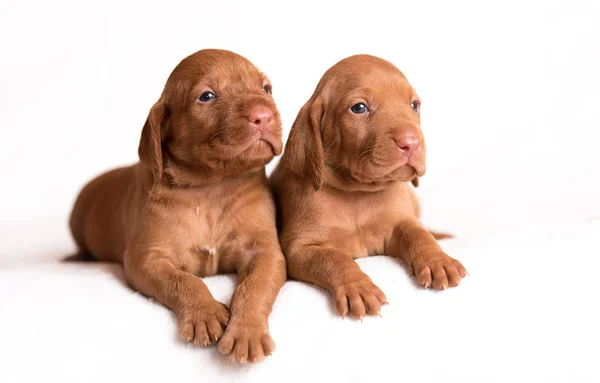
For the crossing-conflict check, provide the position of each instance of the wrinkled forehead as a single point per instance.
(231, 73)
(366, 79)
(217, 71)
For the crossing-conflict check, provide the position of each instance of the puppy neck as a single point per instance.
(175, 176)
(184, 173)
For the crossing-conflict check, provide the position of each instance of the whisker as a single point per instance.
(215, 136)
(363, 155)
(335, 170)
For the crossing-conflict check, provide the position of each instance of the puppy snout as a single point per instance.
(408, 144)
(260, 117)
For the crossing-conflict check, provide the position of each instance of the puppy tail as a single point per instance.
(81, 256)
(439, 236)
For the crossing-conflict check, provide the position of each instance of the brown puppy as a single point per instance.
(342, 186)
(197, 204)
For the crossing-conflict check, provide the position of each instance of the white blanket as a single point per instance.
(527, 312)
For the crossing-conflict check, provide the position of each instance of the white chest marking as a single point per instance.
(209, 250)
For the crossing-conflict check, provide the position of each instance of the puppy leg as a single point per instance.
(200, 317)
(332, 269)
(419, 249)
(247, 337)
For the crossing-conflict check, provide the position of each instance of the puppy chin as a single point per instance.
(407, 173)
(260, 152)
(419, 169)
(274, 141)
(406, 170)
(403, 173)
(418, 166)
(262, 148)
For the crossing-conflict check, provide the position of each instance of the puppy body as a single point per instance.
(343, 185)
(207, 230)
(358, 223)
(197, 204)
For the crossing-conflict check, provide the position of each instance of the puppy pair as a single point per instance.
(198, 203)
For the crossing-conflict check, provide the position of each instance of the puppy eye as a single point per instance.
(267, 88)
(359, 108)
(415, 106)
(207, 96)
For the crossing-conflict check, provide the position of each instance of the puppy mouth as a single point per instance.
(387, 162)
(260, 142)
(415, 161)
(403, 173)
(266, 140)
(373, 170)
(408, 172)
(417, 167)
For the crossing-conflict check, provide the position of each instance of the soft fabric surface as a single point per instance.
(527, 312)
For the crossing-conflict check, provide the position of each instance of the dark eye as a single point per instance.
(359, 108)
(415, 106)
(267, 88)
(207, 96)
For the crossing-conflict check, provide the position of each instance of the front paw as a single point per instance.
(247, 341)
(438, 270)
(203, 323)
(358, 297)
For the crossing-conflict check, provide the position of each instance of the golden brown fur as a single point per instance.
(197, 204)
(343, 186)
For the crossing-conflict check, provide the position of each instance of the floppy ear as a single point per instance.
(150, 149)
(415, 182)
(304, 148)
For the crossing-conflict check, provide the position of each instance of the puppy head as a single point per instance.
(362, 125)
(216, 118)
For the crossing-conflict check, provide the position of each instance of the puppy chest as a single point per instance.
(202, 260)
(361, 230)
(198, 231)
(375, 237)
(213, 241)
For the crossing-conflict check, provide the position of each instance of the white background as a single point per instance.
(510, 91)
